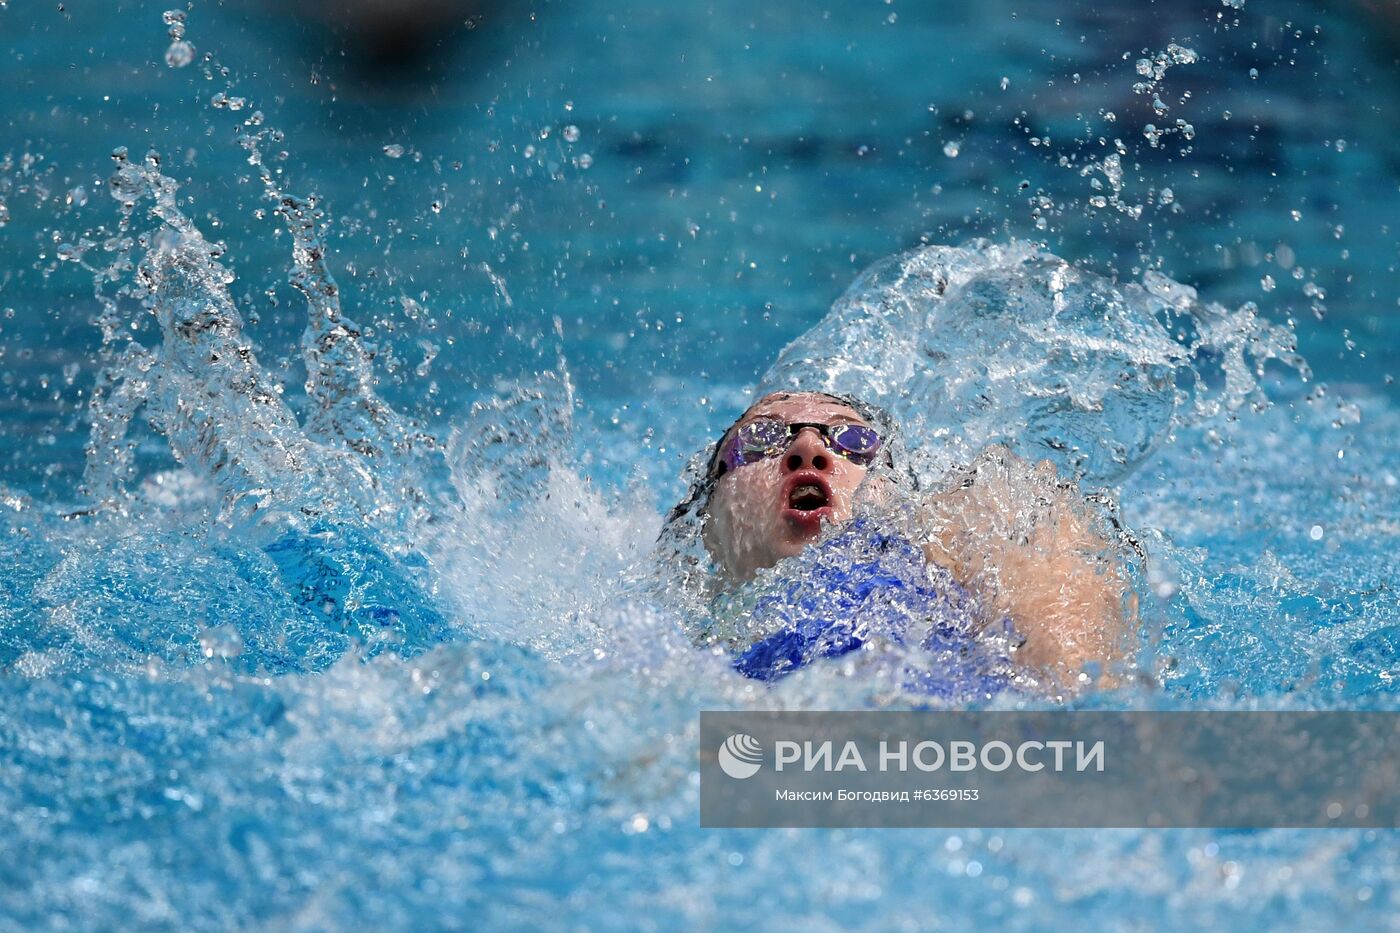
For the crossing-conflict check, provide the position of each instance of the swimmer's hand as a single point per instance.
(1030, 546)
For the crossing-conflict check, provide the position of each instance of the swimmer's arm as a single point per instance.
(1030, 547)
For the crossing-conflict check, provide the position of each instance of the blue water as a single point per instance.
(384, 644)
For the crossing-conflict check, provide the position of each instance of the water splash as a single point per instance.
(164, 768)
(202, 387)
(1007, 344)
(530, 550)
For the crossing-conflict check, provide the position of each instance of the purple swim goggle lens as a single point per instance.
(769, 437)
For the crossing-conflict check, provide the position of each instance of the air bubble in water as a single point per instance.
(394, 151)
(571, 133)
(1267, 283)
(585, 161)
(951, 149)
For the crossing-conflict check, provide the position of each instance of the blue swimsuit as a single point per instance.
(863, 583)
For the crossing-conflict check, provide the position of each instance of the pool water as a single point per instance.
(330, 595)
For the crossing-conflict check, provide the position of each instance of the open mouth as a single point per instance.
(808, 498)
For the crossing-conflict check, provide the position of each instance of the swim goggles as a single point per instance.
(769, 437)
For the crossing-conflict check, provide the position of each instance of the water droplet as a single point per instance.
(126, 183)
(1181, 55)
(223, 101)
(180, 54)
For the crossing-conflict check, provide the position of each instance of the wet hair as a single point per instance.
(697, 497)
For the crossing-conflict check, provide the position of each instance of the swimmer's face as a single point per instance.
(764, 511)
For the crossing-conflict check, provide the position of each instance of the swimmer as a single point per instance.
(1004, 543)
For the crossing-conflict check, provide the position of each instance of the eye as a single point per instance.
(857, 442)
(759, 439)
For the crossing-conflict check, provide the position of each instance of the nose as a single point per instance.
(807, 452)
